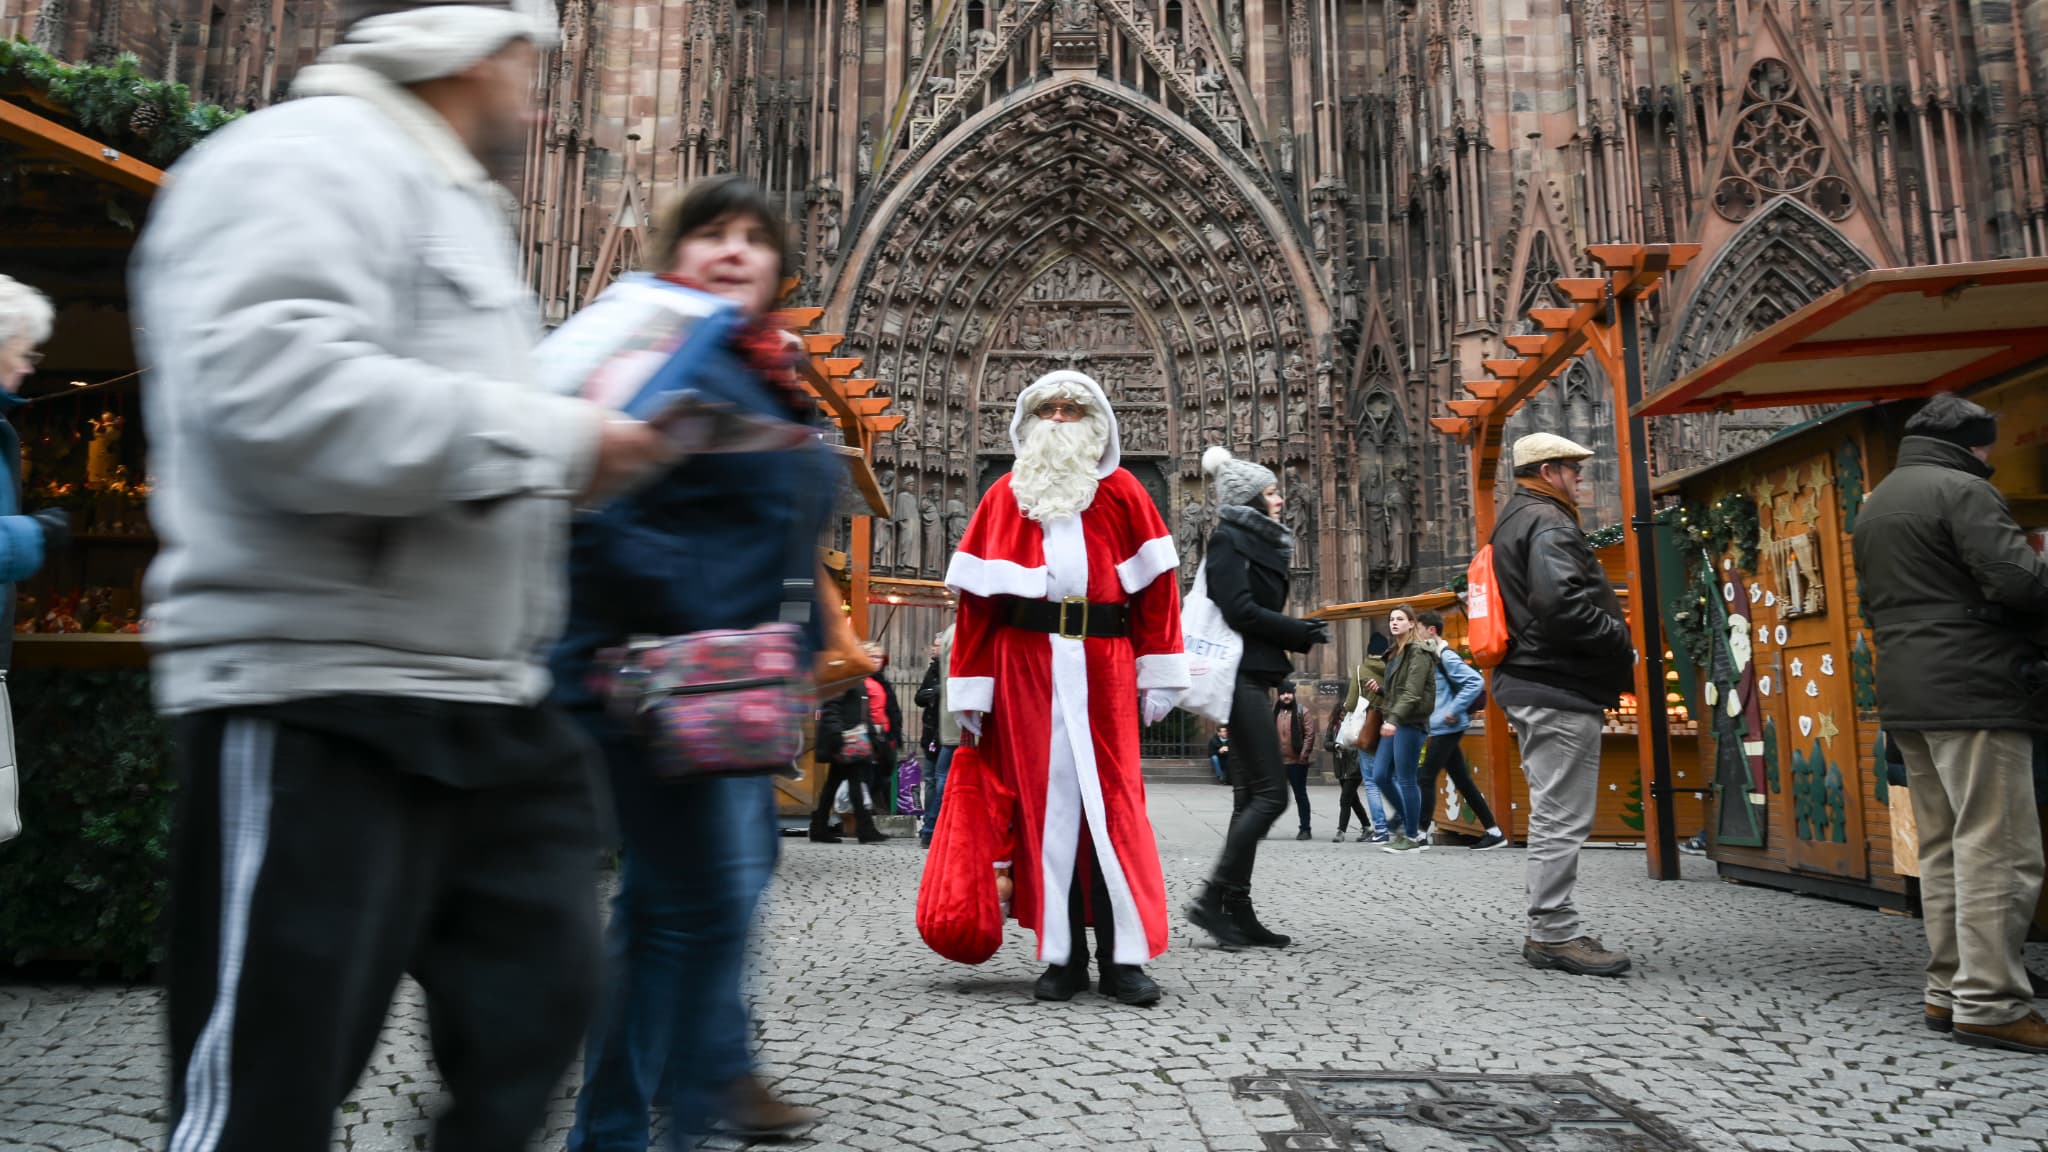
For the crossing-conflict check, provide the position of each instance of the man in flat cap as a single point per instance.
(363, 498)
(1569, 660)
(1957, 599)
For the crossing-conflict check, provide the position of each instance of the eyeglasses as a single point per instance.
(1059, 409)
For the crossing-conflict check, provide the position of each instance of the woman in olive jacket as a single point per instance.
(1247, 563)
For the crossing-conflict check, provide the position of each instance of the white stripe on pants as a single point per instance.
(245, 770)
(1561, 759)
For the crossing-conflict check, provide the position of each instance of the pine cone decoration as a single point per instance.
(146, 117)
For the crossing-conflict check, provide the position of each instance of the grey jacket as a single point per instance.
(357, 485)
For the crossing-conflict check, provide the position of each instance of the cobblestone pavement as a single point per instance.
(1754, 1019)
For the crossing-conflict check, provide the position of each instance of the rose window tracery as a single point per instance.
(1778, 150)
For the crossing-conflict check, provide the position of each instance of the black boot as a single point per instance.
(1208, 914)
(1123, 983)
(1062, 981)
(826, 834)
(1239, 909)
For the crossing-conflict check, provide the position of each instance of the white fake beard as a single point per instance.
(1055, 473)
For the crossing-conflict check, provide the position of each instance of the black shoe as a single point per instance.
(1062, 981)
(870, 834)
(1208, 914)
(1304, 834)
(826, 835)
(1239, 909)
(1128, 984)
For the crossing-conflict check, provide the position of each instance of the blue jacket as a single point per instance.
(1458, 689)
(21, 538)
(709, 544)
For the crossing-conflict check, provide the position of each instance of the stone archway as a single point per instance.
(1080, 224)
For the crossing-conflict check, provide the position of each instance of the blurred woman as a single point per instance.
(707, 546)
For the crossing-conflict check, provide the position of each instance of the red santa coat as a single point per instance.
(1060, 733)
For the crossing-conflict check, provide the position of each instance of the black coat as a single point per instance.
(1247, 579)
(849, 709)
(1565, 625)
(1954, 591)
(927, 699)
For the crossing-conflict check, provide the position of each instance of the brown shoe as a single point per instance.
(1937, 1018)
(2029, 1033)
(1583, 956)
(753, 1111)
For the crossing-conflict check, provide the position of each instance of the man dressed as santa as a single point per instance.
(1068, 639)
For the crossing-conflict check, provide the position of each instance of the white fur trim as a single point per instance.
(1066, 558)
(970, 693)
(443, 40)
(1164, 670)
(1153, 559)
(977, 576)
(1112, 448)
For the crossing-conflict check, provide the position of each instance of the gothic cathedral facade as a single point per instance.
(1292, 227)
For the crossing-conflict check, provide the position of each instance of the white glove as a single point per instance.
(1155, 703)
(970, 721)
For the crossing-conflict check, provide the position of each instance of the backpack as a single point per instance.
(1485, 612)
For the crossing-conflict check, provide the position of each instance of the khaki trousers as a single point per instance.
(1561, 759)
(1980, 867)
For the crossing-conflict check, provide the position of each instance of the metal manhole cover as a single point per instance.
(1456, 1112)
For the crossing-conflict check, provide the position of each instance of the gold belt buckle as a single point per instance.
(1067, 602)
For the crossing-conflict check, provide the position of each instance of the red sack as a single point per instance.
(1486, 616)
(958, 912)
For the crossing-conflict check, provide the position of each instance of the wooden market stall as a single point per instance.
(1771, 567)
(1619, 818)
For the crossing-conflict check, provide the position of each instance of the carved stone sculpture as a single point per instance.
(934, 535)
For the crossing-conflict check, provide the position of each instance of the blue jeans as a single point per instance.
(939, 770)
(1375, 801)
(1216, 766)
(1407, 763)
(696, 857)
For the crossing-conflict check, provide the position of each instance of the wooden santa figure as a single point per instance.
(1068, 641)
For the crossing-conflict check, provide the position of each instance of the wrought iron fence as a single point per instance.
(1181, 736)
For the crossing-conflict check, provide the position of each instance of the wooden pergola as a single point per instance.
(861, 417)
(1602, 320)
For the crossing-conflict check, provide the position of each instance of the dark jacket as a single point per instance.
(21, 538)
(1411, 683)
(1565, 625)
(927, 699)
(706, 546)
(1248, 582)
(1220, 748)
(1953, 590)
(849, 709)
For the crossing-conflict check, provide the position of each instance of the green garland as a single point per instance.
(1729, 525)
(117, 104)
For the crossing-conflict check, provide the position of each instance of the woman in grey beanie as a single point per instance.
(1247, 563)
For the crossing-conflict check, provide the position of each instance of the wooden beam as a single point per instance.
(1450, 425)
(1553, 318)
(796, 319)
(819, 343)
(1466, 408)
(885, 423)
(870, 405)
(1507, 369)
(857, 387)
(1987, 339)
(1484, 389)
(836, 366)
(42, 134)
(1582, 289)
(1530, 344)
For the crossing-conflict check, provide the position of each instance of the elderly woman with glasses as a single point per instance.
(25, 321)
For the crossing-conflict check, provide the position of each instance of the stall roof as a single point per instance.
(1891, 334)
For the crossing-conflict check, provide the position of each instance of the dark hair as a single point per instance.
(1378, 644)
(1532, 471)
(706, 201)
(1430, 618)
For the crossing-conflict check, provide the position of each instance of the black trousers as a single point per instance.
(1080, 892)
(321, 852)
(1297, 779)
(1348, 802)
(853, 776)
(1258, 781)
(1445, 753)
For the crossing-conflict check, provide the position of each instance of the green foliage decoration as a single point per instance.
(116, 103)
(1771, 753)
(1806, 809)
(1834, 801)
(83, 886)
(1863, 673)
(1849, 482)
(1632, 811)
(1881, 770)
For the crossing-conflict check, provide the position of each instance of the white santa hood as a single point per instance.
(1083, 387)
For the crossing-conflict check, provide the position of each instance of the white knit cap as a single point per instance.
(431, 40)
(1236, 481)
(1543, 447)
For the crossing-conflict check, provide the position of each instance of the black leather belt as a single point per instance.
(1073, 617)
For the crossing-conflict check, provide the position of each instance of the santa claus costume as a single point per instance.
(1068, 638)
